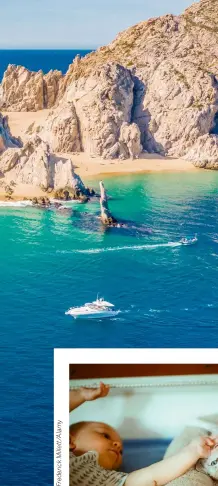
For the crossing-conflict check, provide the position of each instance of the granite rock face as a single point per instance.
(30, 164)
(61, 129)
(103, 102)
(204, 153)
(94, 116)
(174, 65)
(34, 164)
(23, 90)
(51, 83)
(64, 176)
(130, 138)
(178, 111)
(6, 139)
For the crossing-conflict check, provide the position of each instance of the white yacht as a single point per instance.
(94, 310)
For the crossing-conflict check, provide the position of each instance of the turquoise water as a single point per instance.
(167, 293)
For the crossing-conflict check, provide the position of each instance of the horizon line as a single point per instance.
(48, 48)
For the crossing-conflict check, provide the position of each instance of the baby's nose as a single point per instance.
(117, 445)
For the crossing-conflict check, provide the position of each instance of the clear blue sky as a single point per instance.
(69, 24)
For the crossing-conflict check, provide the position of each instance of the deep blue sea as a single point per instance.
(39, 59)
(50, 261)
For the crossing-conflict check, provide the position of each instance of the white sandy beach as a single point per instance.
(86, 165)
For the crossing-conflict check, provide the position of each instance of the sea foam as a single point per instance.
(16, 204)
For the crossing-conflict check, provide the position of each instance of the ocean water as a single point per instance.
(34, 60)
(50, 261)
(166, 292)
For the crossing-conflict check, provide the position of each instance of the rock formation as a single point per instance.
(61, 130)
(34, 164)
(94, 115)
(30, 164)
(23, 90)
(51, 83)
(41, 202)
(130, 140)
(106, 216)
(155, 86)
(68, 184)
(6, 139)
(103, 102)
(204, 153)
(174, 65)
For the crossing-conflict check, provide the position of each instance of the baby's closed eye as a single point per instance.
(106, 435)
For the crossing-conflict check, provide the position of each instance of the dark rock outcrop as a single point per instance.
(106, 216)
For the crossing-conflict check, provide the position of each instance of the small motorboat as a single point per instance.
(97, 309)
(189, 241)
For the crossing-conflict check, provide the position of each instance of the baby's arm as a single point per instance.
(171, 468)
(82, 395)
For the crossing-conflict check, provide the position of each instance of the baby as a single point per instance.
(96, 452)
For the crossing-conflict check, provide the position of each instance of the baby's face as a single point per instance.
(99, 437)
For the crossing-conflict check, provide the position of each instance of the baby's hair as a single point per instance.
(74, 428)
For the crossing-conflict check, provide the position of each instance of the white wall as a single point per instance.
(160, 408)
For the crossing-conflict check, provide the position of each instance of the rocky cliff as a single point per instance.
(34, 164)
(94, 115)
(154, 87)
(23, 90)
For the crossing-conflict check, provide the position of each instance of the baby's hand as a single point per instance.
(81, 395)
(202, 446)
(89, 394)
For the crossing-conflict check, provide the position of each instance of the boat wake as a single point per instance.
(170, 244)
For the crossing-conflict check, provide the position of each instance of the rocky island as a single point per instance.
(150, 94)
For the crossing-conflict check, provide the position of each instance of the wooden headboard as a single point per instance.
(85, 371)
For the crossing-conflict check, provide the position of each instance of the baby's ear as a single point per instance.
(72, 444)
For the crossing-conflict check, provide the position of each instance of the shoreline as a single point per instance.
(93, 167)
(90, 167)
(86, 165)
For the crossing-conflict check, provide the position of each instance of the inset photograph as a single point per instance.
(143, 425)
